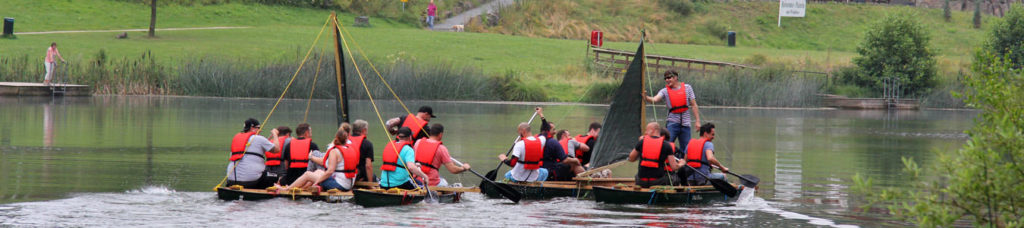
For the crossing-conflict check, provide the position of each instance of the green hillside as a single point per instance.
(827, 26)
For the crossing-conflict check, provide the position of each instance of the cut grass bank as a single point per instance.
(279, 36)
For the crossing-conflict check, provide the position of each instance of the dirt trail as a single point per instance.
(464, 17)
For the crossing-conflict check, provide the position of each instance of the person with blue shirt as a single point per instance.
(394, 171)
(700, 155)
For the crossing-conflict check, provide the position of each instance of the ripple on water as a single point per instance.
(158, 205)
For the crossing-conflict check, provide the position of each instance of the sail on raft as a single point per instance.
(364, 193)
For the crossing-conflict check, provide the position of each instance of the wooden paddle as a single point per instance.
(508, 193)
(719, 184)
(746, 179)
(493, 174)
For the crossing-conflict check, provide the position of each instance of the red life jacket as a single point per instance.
(565, 145)
(299, 153)
(678, 98)
(694, 152)
(425, 151)
(651, 154)
(415, 124)
(274, 159)
(357, 142)
(390, 156)
(351, 159)
(534, 152)
(582, 139)
(238, 145)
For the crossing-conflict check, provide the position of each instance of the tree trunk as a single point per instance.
(152, 18)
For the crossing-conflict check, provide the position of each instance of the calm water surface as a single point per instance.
(144, 161)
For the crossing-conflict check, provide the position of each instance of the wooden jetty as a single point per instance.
(843, 102)
(38, 89)
(620, 59)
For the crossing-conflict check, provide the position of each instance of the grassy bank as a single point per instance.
(529, 68)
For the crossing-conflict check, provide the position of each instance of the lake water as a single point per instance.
(153, 161)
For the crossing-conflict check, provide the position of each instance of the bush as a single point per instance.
(681, 7)
(896, 47)
(715, 29)
(1007, 37)
(510, 88)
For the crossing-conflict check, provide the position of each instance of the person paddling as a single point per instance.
(560, 166)
(275, 160)
(656, 159)
(590, 139)
(247, 165)
(526, 156)
(396, 157)
(431, 154)
(700, 154)
(416, 123)
(297, 153)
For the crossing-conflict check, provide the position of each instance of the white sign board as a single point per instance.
(792, 8)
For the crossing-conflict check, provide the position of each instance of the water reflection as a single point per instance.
(65, 148)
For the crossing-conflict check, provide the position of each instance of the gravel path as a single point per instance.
(464, 17)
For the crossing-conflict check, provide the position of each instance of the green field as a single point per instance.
(276, 33)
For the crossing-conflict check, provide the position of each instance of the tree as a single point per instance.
(152, 18)
(977, 14)
(895, 48)
(1007, 37)
(982, 180)
(946, 14)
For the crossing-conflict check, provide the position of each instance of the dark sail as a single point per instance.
(624, 122)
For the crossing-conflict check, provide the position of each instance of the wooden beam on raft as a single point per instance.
(341, 101)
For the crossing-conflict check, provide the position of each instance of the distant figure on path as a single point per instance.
(50, 62)
(679, 98)
(431, 14)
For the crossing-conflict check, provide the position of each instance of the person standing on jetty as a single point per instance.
(51, 63)
(679, 98)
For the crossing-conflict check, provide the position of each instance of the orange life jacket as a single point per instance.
(274, 159)
(694, 152)
(351, 159)
(678, 98)
(651, 154)
(415, 124)
(565, 145)
(534, 152)
(582, 139)
(425, 151)
(238, 145)
(299, 153)
(357, 142)
(390, 155)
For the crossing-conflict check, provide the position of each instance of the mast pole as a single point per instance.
(643, 73)
(341, 101)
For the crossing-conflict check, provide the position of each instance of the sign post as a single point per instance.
(791, 8)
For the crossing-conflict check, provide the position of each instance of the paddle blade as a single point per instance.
(724, 187)
(749, 180)
(510, 194)
(431, 197)
(493, 174)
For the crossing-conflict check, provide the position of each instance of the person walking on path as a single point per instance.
(51, 62)
(431, 14)
(679, 98)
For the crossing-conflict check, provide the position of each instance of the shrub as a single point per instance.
(715, 29)
(510, 88)
(896, 47)
(946, 14)
(681, 7)
(1007, 37)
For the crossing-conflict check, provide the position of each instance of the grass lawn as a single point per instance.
(279, 33)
